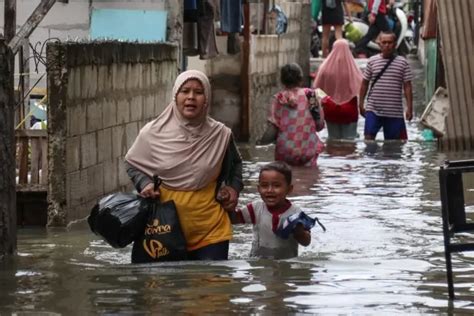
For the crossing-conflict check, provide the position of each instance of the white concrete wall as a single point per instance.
(224, 74)
(66, 21)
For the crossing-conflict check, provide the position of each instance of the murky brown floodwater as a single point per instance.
(382, 252)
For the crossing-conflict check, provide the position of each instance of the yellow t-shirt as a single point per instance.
(202, 218)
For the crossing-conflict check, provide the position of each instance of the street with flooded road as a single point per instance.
(382, 252)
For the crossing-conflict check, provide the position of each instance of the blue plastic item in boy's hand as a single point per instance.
(287, 226)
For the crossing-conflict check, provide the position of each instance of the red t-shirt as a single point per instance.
(344, 113)
(382, 7)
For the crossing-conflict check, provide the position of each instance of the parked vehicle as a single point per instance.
(355, 30)
(399, 25)
(315, 40)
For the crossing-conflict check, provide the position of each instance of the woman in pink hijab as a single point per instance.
(199, 165)
(340, 78)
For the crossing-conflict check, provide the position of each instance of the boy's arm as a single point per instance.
(236, 217)
(301, 235)
(244, 215)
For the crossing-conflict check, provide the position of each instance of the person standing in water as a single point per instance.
(199, 165)
(294, 120)
(340, 78)
(387, 74)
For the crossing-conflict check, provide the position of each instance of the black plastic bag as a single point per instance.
(119, 218)
(162, 239)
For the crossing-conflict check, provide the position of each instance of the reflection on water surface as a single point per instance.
(383, 251)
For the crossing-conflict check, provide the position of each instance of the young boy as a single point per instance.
(269, 214)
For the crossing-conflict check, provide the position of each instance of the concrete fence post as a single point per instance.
(57, 129)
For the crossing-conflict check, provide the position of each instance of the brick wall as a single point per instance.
(100, 95)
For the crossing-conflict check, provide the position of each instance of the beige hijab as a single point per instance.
(186, 155)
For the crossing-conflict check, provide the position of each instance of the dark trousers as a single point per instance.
(380, 25)
(218, 251)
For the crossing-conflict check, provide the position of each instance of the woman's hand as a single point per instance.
(228, 198)
(149, 192)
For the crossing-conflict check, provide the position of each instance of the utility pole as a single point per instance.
(7, 136)
(245, 76)
(10, 20)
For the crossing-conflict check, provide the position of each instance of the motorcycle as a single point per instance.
(316, 35)
(398, 23)
(355, 30)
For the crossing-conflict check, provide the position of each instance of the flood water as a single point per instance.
(382, 252)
